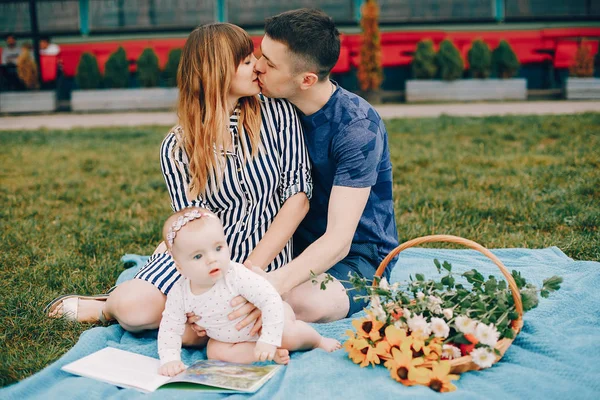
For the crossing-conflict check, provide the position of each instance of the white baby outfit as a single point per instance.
(214, 306)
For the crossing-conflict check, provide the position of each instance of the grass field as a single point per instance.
(73, 202)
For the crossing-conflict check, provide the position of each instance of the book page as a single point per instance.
(120, 368)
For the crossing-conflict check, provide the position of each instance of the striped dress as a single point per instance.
(252, 192)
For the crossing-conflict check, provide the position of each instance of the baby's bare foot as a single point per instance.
(282, 356)
(329, 344)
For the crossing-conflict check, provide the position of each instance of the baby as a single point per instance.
(209, 281)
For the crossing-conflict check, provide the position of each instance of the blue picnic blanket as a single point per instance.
(554, 357)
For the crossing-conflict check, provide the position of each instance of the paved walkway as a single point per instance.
(72, 120)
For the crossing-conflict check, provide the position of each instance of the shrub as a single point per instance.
(116, 73)
(370, 73)
(583, 64)
(147, 68)
(504, 61)
(27, 69)
(480, 59)
(423, 63)
(88, 73)
(171, 67)
(449, 61)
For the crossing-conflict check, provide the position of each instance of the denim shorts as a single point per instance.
(362, 266)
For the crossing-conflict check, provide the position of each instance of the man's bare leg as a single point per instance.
(311, 304)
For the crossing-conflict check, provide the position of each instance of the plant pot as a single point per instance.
(124, 99)
(583, 88)
(26, 102)
(466, 90)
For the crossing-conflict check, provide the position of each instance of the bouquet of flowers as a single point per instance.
(424, 330)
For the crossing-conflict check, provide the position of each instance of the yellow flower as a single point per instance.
(361, 352)
(433, 351)
(439, 377)
(404, 368)
(395, 336)
(368, 328)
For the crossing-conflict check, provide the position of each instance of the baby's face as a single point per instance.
(201, 252)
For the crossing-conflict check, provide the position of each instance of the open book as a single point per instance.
(130, 370)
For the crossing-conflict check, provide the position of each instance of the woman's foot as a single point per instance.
(79, 308)
(282, 356)
(329, 344)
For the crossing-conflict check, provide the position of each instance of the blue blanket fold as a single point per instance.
(554, 357)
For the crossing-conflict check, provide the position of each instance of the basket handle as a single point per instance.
(516, 294)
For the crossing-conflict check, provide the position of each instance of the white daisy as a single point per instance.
(434, 304)
(450, 352)
(383, 284)
(420, 296)
(439, 328)
(465, 324)
(483, 357)
(400, 324)
(487, 335)
(418, 325)
(448, 313)
(377, 309)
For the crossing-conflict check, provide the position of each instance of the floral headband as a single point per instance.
(182, 221)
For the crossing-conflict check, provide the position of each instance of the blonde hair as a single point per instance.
(27, 69)
(209, 61)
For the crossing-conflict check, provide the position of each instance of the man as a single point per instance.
(351, 226)
(10, 53)
(47, 48)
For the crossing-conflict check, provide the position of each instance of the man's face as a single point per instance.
(275, 70)
(11, 41)
(43, 44)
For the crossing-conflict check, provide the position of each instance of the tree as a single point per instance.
(504, 61)
(116, 73)
(171, 67)
(147, 68)
(480, 59)
(370, 73)
(583, 64)
(449, 61)
(423, 63)
(88, 73)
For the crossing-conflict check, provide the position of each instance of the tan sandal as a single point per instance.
(70, 306)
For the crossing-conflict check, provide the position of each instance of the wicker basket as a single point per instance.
(464, 364)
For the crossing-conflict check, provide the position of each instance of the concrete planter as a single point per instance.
(583, 88)
(124, 99)
(27, 102)
(466, 90)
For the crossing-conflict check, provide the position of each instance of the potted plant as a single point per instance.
(115, 94)
(449, 68)
(581, 84)
(30, 99)
(370, 72)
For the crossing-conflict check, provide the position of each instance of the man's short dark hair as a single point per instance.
(310, 34)
(45, 37)
(10, 34)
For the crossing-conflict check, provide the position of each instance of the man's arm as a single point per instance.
(346, 206)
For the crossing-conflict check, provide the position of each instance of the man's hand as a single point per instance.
(253, 315)
(191, 320)
(171, 368)
(264, 351)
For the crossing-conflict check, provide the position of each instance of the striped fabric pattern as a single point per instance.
(252, 191)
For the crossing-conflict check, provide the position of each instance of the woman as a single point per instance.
(237, 154)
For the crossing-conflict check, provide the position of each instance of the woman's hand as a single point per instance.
(253, 315)
(191, 320)
(272, 277)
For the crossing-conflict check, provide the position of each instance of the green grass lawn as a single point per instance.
(73, 202)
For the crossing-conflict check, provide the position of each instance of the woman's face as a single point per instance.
(245, 80)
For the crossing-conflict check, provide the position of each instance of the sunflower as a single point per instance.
(404, 368)
(368, 328)
(360, 351)
(395, 336)
(439, 378)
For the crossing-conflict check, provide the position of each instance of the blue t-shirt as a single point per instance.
(347, 144)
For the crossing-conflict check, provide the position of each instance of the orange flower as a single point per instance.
(368, 328)
(361, 352)
(466, 349)
(404, 368)
(439, 377)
